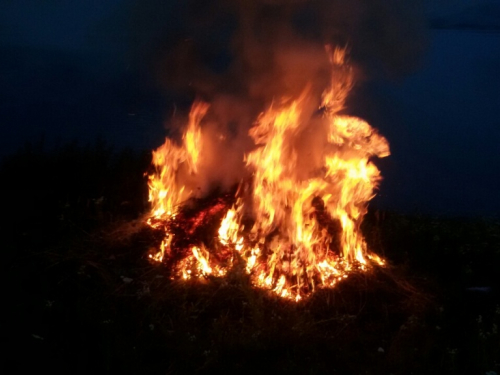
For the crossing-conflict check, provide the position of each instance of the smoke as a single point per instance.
(263, 47)
(241, 55)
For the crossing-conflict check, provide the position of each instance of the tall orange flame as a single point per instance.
(289, 249)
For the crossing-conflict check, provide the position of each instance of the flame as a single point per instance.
(192, 137)
(229, 230)
(166, 192)
(291, 247)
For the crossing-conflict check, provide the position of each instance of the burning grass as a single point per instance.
(226, 324)
(86, 296)
(294, 221)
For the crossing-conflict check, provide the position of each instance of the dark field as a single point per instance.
(81, 296)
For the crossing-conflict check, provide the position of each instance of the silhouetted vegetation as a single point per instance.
(85, 184)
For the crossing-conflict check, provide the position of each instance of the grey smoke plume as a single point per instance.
(259, 48)
(240, 55)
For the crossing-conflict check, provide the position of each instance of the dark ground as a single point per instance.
(82, 298)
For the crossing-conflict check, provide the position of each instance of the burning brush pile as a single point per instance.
(293, 222)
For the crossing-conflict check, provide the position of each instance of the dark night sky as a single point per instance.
(66, 73)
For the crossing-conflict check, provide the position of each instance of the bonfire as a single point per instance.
(291, 228)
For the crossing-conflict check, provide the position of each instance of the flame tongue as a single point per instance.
(293, 246)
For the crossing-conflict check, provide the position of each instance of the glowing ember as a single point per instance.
(304, 227)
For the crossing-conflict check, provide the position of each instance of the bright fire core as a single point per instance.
(292, 228)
